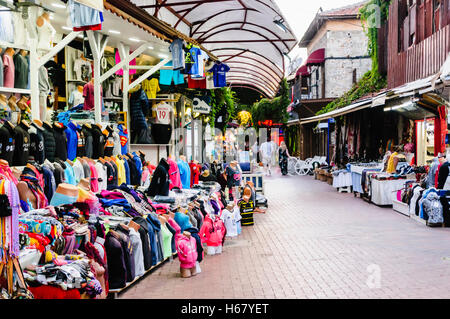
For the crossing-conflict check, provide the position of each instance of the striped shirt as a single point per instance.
(246, 209)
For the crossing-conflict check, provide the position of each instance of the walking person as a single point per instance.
(266, 152)
(283, 158)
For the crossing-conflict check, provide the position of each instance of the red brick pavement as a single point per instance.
(316, 243)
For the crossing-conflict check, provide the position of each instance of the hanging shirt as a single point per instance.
(8, 71)
(191, 58)
(21, 71)
(163, 113)
(132, 62)
(6, 26)
(176, 47)
(82, 69)
(88, 94)
(82, 16)
(219, 74)
(199, 69)
(123, 134)
(151, 87)
(72, 140)
(185, 174)
(76, 98)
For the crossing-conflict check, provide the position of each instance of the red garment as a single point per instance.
(174, 174)
(195, 173)
(94, 178)
(436, 177)
(94, 27)
(52, 292)
(196, 84)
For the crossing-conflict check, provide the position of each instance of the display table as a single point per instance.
(357, 170)
(385, 191)
(342, 180)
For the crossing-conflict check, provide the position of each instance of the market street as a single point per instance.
(316, 243)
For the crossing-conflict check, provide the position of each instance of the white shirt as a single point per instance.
(231, 219)
(78, 171)
(266, 149)
(102, 173)
(163, 113)
(76, 98)
(137, 254)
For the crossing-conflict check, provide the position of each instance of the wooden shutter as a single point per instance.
(428, 18)
(421, 23)
(406, 33)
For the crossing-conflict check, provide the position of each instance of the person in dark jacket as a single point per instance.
(160, 180)
(49, 142)
(60, 141)
(139, 106)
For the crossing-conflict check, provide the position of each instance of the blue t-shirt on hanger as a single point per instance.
(219, 71)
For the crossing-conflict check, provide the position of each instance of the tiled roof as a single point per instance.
(349, 10)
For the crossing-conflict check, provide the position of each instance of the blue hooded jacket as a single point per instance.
(72, 141)
(185, 174)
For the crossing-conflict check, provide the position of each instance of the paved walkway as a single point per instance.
(316, 243)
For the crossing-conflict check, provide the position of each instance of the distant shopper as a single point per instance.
(266, 152)
(283, 153)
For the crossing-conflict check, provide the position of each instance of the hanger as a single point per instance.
(25, 123)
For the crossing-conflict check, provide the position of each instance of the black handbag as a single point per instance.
(5, 206)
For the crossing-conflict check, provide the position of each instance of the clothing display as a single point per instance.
(163, 112)
(171, 76)
(8, 71)
(21, 71)
(151, 87)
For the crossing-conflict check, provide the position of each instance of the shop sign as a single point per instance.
(200, 106)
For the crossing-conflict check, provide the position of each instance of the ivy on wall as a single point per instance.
(274, 109)
(223, 97)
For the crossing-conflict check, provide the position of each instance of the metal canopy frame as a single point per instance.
(248, 25)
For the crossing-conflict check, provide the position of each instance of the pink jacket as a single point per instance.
(187, 251)
(212, 232)
(174, 175)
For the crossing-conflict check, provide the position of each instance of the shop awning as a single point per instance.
(345, 110)
(317, 57)
(251, 34)
(303, 71)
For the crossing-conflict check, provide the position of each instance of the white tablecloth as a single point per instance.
(359, 169)
(343, 179)
(383, 192)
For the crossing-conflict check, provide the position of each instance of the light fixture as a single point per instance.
(134, 39)
(66, 28)
(404, 105)
(163, 56)
(150, 47)
(58, 5)
(114, 31)
(280, 24)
